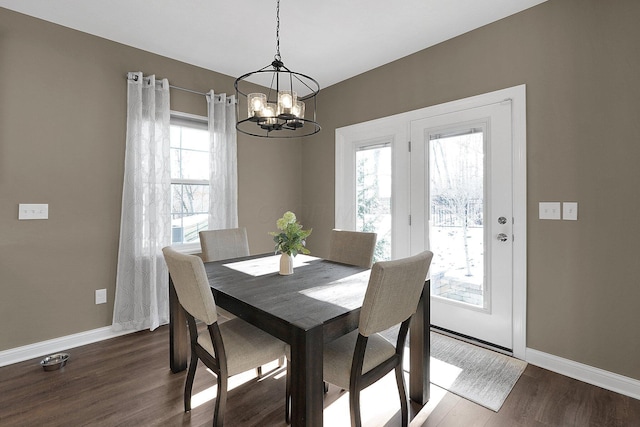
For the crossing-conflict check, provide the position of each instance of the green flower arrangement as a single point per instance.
(291, 237)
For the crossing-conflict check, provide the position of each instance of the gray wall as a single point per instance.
(62, 134)
(580, 61)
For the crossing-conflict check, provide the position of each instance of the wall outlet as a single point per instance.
(101, 296)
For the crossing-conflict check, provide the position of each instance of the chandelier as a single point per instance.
(287, 109)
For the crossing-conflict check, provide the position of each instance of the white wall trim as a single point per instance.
(31, 351)
(585, 373)
(519, 116)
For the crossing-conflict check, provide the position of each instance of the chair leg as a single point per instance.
(188, 385)
(402, 392)
(221, 402)
(259, 368)
(287, 400)
(354, 407)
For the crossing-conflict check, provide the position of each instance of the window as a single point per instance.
(373, 195)
(189, 177)
(372, 185)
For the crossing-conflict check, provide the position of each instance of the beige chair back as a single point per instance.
(224, 244)
(352, 247)
(393, 292)
(192, 286)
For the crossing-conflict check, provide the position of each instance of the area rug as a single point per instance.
(474, 373)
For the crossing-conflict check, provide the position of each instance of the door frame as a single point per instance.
(397, 129)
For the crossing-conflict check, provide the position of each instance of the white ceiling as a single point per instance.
(330, 40)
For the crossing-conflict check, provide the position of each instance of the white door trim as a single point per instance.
(518, 97)
(399, 125)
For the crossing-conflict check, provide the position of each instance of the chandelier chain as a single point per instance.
(277, 56)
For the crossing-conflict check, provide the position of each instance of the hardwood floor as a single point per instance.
(126, 381)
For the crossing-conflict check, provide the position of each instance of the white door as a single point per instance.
(462, 210)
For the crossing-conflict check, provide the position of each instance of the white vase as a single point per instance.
(286, 264)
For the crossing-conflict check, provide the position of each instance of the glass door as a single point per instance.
(461, 207)
(458, 187)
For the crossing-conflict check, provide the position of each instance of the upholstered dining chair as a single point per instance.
(224, 244)
(359, 359)
(227, 348)
(352, 247)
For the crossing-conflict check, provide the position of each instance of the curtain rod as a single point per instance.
(187, 90)
(181, 88)
(135, 78)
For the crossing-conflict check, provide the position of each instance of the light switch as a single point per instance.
(570, 211)
(33, 211)
(549, 210)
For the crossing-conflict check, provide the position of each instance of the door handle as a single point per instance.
(502, 237)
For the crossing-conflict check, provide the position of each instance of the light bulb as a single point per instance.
(286, 101)
(268, 111)
(256, 103)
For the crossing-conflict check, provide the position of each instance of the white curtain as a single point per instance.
(223, 196)
(142, 295)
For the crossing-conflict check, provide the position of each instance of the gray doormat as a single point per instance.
(474, 373)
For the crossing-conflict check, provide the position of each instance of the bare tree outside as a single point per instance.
(373, 197)
(456, 201)
(189, 182)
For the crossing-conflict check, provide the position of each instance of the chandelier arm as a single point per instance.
(244, 76)
(313, 91)
(265, 68)
(273, 77)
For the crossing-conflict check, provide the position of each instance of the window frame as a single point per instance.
(350, 140)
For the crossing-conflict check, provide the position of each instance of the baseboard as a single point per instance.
(31, 351)
(585, 373)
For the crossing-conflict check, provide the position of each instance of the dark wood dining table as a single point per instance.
(318, 303)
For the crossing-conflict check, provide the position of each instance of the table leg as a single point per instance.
(306, 378)
(178, 334)
(420, 349)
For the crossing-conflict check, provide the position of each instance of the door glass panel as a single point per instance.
(456, 201)
(373, 195)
